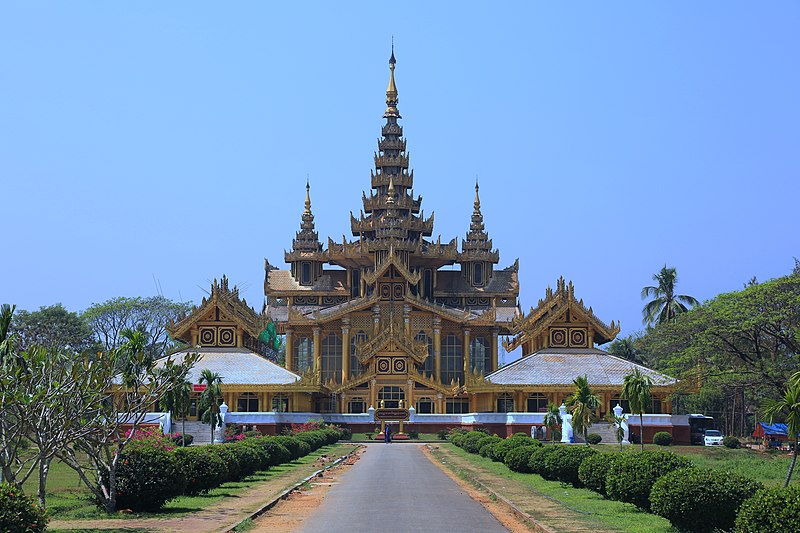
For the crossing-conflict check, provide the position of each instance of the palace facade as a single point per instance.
(384, 320)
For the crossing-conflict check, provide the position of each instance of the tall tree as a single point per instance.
(552, 419)
(665, 305)
(583, 402)
(178, 402)
(636, 389)
(627, 349)
(787, 408)
(210, 399)
(111, 318)
(53, 328)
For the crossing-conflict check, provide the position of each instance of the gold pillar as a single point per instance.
(289, 350)
(373, 394)
(495, 331)
(439, 403)
(437, 347)
(345, 349)
(407, 318)
(465, 352)
(376, 319)
(317, 353)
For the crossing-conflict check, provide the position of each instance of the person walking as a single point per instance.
(387, 434)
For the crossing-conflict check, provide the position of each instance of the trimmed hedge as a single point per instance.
(632, 475)
(296, 448)
(594, 469)
(278, 453)
(537, 463)
(517, 458)
(471, 440)
(701, 499)
(486, 446)
(204, 469)
(517, 440)
(20, 513)
(662, 438)
(770, 511)
(148, 476)
(594, 438)
(731, 442)
(563, 463)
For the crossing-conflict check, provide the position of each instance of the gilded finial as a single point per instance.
(477, 198)
(308, 197)
(391, 90)
(390, 192)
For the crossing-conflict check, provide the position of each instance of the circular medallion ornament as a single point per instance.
(383, 366)
(559, 337)
(399, 366)
(226, 336)
(207, 337)
(577, 337)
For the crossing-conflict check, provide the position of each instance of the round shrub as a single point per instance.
(148, 476)
(204, 469)
(291, 444)
(278, 453)
(632, 475)
(517, 458)
(20, 513)
(457, 438)
(502, 448)
(563, 463)
(701, 499)
(312, 438)
(593, 470)
(662, 438)
(770, 511)
(234, 462)
(486, 445)
(594, 438)
(470, 442)
(731, 442)
(487, 439)
(537, 461)
(251, 458)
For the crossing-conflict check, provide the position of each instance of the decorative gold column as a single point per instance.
(465, 352)
(439, 403)
(407, 318)
(437, 347)
(289, 350)
(495, 332)
(376, 319)
(345, 349)
(317, 353)
(373, 394)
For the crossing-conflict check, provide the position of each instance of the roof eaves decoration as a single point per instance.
(396, 336)
(422, 379)
(338, 311)
(413, 277)
(460, 316)
(226, 299)
(354, 381)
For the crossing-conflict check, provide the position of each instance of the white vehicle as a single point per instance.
(712, 437)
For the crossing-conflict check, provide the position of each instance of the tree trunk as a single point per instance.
(183, 431)
(212, 420)
(44, 469)
(791, 465)
(641, 429)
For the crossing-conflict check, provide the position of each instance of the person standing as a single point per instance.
(387, 434)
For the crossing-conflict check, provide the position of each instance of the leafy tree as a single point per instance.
(552, 419)
(627, 349)
(665, 305)
(53, 327)
(787, 408)
(210, 399)
(583, 402)
(111, 318)
(178, 401)
(636, 389)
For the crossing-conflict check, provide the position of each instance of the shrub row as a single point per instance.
(151, 473)
(20, 513)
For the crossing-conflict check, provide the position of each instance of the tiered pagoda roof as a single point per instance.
(306, 243)
(478, 246)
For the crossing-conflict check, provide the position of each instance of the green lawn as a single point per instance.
(68, 499)
(768, 467)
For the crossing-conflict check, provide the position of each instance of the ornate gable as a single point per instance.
(559, 321)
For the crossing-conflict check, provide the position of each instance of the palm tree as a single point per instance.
(636, 389)
(552, 419)
(665, 305)
(178, 400)
(788, 409)
(626, 348)
(209, 399)
(584, 402)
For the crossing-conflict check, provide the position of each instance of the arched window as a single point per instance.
(477, 274)
(303, 354)
(537, 402)
(331, 358)
(452, 359)
(356, 369)
(480, 356)
(247, 402)
(305, 273)
(505, 403)
(430, 364)
(280, 403)
(356, 406)
(425, 406)
(391, 396)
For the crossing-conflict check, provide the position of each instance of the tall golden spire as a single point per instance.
(477, 203)
(391, 90)
(308, 198)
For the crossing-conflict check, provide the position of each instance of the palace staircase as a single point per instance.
(201, 432)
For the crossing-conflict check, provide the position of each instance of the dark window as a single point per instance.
(280, 403)
(391, 396)
(505, 403)
(452, 359)
(331, 358)
(303, 354)
(247, 402)
(537, 403)
(480, 355)
(656, 409)
(356, 406)
(429, 365)
(477, 274)
(356, 369)
(425, 406)
(625, 404)
(355, 283)
(305, 273)
(427, 284)
(456, 406)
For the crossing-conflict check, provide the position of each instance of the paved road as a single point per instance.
(396, 488)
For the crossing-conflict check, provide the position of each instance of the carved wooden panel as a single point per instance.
(226, 336)
(361, 323)
(421, 322)
(383, 365)
(558, 337)
(578, 338)
(208, 336)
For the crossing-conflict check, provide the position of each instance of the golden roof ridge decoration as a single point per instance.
(354, 381)
(391, 259)
(432, 383)
(337, 311)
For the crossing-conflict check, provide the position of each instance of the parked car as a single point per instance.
(712, 437)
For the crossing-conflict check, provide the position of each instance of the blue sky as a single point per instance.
(144, 141)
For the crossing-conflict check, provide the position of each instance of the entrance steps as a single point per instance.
(201, 432)
(601, 428)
